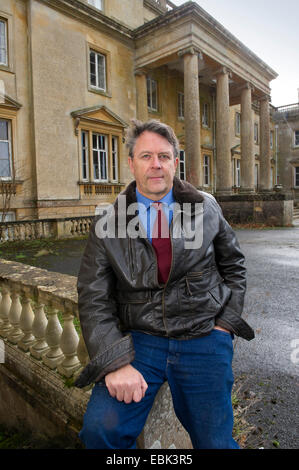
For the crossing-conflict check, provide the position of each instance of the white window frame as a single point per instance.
(114, 158)
(85, 154)
(296, 172)
(100, 152)
(182, 165)
(97, 57)
(205, 115)
(181, 104)
(8, 178)
(237, 172)
(207, 170)
(3, 43)
(98, 4)
(296, 138)
(150, 94)
(237, 123)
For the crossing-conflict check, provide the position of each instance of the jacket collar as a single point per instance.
(183, 192)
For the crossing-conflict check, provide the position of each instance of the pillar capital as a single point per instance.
(223, 70)
(265, 98)
(140, 71)
(192, 50)
(247, 86)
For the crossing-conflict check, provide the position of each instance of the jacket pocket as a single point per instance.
(136, 297)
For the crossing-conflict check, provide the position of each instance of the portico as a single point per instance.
(188, 42)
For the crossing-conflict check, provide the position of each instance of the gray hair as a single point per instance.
(153, 125)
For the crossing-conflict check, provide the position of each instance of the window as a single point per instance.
(256, 175)
(206, 170)
(205, 115)
(100, 164)
(85, 156)
(238, 123)
(99, 157)
(296, 135)
(5, 149)
(237, 172)
(152, 95)
(182, 166)
(114, 158)
(256, 133)
(296, 176)
(97, 64)
(96, 3)
(272, 177)
(180, 104)
(271, 139)
(3, 42)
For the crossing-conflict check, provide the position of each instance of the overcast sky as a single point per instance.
(270, 28)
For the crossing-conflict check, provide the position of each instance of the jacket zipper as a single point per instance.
(165, 285)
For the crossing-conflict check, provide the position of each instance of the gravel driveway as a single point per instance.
(267, 368)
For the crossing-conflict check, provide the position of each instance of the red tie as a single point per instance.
(161, 243)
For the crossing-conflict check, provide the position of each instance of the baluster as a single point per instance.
(33, 231)
(82, 352)
(22, 232)
(69, 343)
(14, 318)
(10, 233)
(5, 327)
(26, 321)
(54, 356)
(39, 330)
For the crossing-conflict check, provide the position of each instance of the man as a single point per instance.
(154, 309)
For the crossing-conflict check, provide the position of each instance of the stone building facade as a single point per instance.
(75, 72)
(286, 119)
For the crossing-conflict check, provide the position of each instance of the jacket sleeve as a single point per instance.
(230, 262)
(107, 347)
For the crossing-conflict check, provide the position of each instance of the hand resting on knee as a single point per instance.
(126, 384)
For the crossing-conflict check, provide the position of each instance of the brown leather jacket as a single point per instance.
(119, 291)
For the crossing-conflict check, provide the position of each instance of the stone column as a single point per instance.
(223, 155)
(247, 144)
(265, 164)
(192, 116)
(141, 95)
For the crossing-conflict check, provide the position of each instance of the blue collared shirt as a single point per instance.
(147, 214)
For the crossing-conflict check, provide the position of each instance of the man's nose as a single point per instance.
(156, 162)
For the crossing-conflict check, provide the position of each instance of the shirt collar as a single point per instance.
(166, 200)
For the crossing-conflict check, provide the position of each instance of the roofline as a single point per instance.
(200, 14)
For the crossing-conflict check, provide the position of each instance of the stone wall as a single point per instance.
(273, 209)
(43, 355)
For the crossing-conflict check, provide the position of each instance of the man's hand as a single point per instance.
(126, 384)
(220, 328)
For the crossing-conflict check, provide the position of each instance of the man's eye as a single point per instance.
(146, 156)
(164, 157)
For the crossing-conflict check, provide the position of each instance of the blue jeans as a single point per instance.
(199, 374)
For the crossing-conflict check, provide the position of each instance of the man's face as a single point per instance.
(153, 165)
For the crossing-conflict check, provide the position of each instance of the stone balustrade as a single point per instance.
(37, 312)
(45, 228)
(44, 350)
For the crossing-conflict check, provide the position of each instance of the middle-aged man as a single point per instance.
(156, 308)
